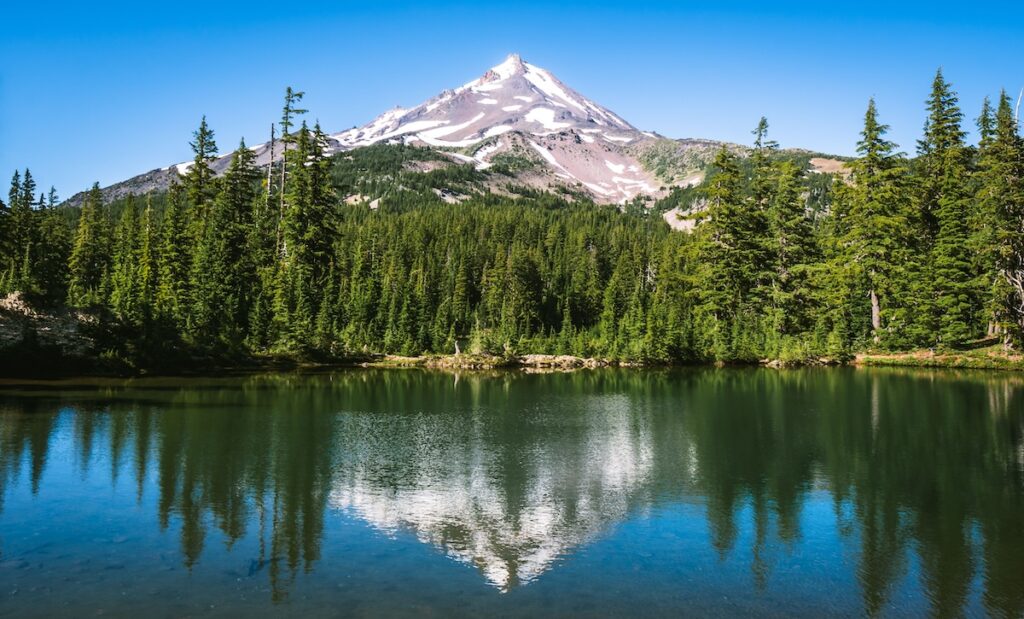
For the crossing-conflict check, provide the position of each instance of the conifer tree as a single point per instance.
(8, 242)
(730, 251)
(89, 262)
(308, 237)
(946, 209)
(876, 226)
(173, 262)
(14, 193)
(288, 114)
(21, 230)
(51, 253)
(1002, 199)
(983, 222)
(199, 178)
(147, 261)
(125, 292)
(223, 272)
(793, 251)
(763, 182)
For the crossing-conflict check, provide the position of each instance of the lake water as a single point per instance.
(696, 492)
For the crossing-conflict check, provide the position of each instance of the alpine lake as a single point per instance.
(612, 492)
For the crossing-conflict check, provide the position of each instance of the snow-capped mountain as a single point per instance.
(517, 106)
(513, 96)
(514, 110)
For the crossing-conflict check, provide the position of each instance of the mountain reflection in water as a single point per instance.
(918, 475)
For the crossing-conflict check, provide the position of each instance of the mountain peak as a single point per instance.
(534, 107)
(511, 96)
(512, 65)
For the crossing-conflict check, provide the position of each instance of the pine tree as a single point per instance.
(875, 226)
(14, 193)
(173, 262)
(763, 183)
(89, 262)
(147, 262)
(288, 114)
(21, 230)
(983, 222)
(199, 178)
(731, 253)
(1002, 199)
(9, 249)
(308, 235)
(946, 208)
(125, 292)
(51, 253)
(793, 251)
(223, 272)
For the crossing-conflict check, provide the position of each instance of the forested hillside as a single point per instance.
(297, 259)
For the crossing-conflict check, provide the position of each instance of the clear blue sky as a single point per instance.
(102, 91)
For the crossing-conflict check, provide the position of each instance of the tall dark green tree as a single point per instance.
(126, 299)
(875, 228)
(51, 252)
(199, 178)
(308, 237)
(763, 181)
(19, 232)
(148, 269)
(731, 258)
(288, 114)
(1001, 199)
(174, 261)
(224, 275)
(89, 264)
(942, 171)
(793, 252)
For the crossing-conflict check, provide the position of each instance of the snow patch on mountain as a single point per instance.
(545, 117)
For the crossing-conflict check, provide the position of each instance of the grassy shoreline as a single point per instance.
(988, 358)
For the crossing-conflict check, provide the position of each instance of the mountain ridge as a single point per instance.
(514, 109)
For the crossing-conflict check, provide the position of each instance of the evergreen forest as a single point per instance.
(898, 252)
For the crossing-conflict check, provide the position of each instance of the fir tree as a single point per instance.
(199, 178)
(223, 272)
(89, 262)
(21, 228)
(731, 254)
(1002, 198)
(308, 238)
(125, 292)
(288, 114)
(793, 251)
(51, 253)
(946, 208)
(173, 262)
(875, 228)
(147, 267)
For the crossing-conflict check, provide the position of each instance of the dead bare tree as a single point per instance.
(270, 166)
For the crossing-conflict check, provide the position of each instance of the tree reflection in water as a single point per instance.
(512, 472)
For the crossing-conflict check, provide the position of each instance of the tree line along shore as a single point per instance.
(894, 260)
